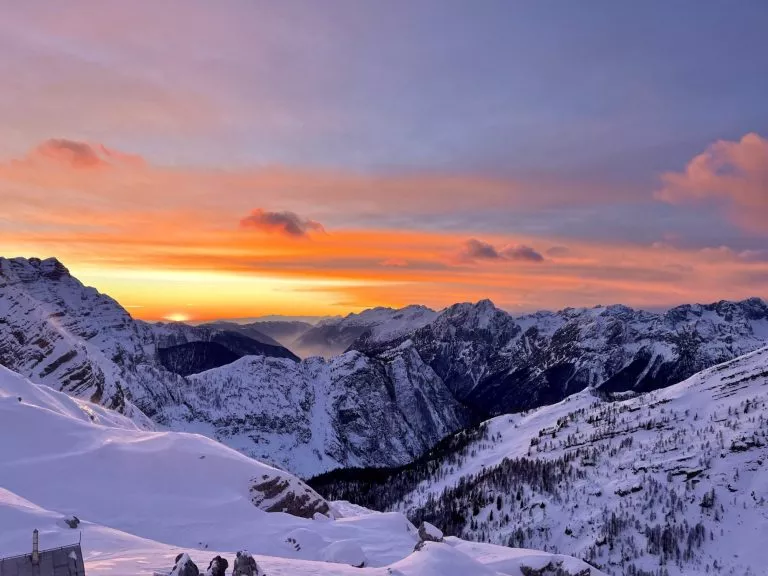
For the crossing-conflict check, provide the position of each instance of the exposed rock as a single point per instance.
(496, 363)
(217, 567)
(184, 566)
(430, 533)
(245, 565)
(276, 494)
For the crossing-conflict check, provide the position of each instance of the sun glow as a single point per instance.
(177, 317)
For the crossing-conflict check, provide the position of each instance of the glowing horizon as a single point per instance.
(284, 159)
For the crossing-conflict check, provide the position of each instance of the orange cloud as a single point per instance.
(166, 240)
(735, 173)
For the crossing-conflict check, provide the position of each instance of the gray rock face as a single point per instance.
(430, 533)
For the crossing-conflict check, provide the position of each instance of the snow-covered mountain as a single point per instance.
(185, 349)
(75, 339)
(332, 336)
(306, 416)
(497, 363)
(397, 392)
(75, 471)
(319, 414)
(667, 482)
(173, 333)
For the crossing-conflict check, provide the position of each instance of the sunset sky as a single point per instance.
(199, 159)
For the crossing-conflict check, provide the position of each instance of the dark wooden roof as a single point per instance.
(64, 561)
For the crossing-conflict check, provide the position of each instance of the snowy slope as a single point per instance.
(673, 479)
(46, 435)
(142, 497)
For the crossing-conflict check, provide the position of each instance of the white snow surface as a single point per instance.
(143, 497)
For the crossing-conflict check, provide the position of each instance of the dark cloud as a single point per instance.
(521, 252)
(474, 249)
(285, 222)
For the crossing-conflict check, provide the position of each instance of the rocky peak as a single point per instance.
(28, 270)
(482, 315)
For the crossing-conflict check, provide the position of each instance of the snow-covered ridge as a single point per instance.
(671, 480)
(138, 498)
(332, 336)
(498, 363)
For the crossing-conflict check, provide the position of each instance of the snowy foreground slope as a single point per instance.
(142, 497)
(670, 482)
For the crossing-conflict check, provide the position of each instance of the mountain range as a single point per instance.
(633, 440)
(406, 379)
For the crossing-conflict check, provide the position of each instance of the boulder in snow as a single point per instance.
(217, 567)
(184, 566)
(245, 565)
(430, 533)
